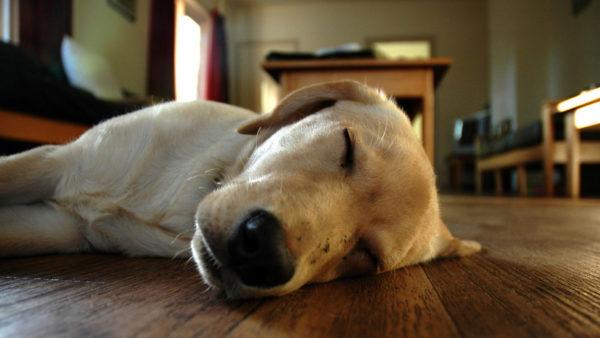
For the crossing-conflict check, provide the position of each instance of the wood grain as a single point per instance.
(539, 275)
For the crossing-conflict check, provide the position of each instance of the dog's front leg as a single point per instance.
(30, 176)
(30, 225)
(41, 228)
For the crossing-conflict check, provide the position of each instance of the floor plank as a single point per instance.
(539, 275)
(397, 304)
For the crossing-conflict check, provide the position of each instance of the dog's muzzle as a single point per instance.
(258, 253)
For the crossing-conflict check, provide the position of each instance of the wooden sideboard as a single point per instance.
(403, 79)
(35, 129)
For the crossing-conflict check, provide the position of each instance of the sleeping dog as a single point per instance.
(333, 182)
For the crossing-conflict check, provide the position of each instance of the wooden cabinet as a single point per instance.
(413, 80)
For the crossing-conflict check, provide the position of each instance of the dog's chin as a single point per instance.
(215, 275)
(208, 266)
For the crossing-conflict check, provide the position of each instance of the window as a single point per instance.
(190, 49)
(9, 10)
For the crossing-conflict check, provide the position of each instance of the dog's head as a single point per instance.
(336, 184)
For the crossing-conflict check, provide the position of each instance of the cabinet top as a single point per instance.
(439, 65)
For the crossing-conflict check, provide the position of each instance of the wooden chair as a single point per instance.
(581, 113)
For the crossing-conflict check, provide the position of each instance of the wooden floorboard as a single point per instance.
(539, 275)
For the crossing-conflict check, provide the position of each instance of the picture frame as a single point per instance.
(126, 8)
(423, 46)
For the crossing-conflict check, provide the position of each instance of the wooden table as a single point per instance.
(538, 276)
(404, 79)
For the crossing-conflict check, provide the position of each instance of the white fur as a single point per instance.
(134, 181)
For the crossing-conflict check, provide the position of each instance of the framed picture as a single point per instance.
(393, 48)
(125, 7)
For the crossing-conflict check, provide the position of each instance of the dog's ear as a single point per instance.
(448, 246)
(460, 247)
(452, 246)
(309, 100)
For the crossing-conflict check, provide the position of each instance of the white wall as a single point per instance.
(458, 27)
(98, 27)
(540, 51)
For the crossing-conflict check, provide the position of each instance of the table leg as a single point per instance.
(429, 118)
(573, 156)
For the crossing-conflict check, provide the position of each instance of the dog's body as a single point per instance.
(130, 184)
(335, 183)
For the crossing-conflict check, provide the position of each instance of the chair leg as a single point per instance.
(455, 179)
(548, 147)
(522, 180)
(549, 175)
(498, 181)
(573, 157)
(478, 178)
(460, 173)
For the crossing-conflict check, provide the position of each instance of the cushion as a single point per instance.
(90, 71)
(529, 135)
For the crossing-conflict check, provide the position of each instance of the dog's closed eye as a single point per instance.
(348, 158)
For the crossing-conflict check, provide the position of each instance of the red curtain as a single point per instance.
(42, 25)
(216, 74)
(161, 50)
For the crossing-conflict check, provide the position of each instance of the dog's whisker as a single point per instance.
(212, 258)
(382, 137)
(207, 289)
(177, 237)
(373, 142)
(384, 134)
(187, 261)
(257, 137)
(181, 252)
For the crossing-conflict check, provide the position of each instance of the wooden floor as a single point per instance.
(538, 276)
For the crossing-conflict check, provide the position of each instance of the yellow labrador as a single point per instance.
(332, 183)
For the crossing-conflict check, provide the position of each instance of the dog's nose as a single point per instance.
(258, 253)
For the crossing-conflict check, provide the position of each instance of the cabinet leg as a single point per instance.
(522, 180)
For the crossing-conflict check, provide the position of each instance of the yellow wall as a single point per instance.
(458, 27)
(98, 27)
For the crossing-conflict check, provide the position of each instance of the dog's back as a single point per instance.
(142, 172)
